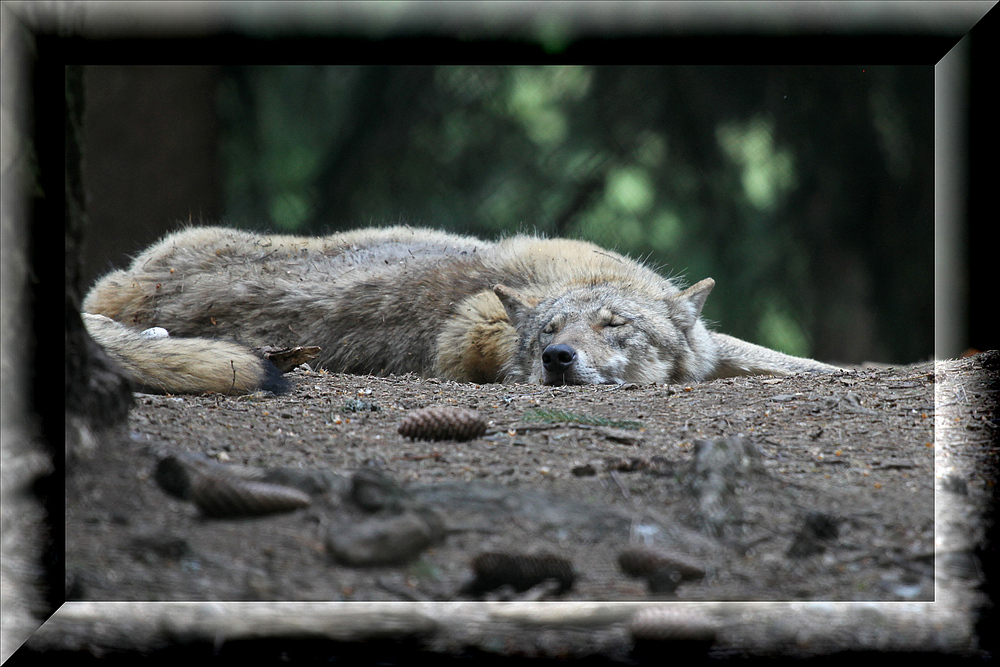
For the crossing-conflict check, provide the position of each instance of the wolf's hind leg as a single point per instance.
(738, 357)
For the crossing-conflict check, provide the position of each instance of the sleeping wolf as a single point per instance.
(401, 300)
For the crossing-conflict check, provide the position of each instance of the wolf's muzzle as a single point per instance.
(558, 359)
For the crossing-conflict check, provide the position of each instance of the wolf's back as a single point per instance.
(372, 299)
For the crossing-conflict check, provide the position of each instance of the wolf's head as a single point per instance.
(609, 333)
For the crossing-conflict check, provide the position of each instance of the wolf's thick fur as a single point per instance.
(399, 300)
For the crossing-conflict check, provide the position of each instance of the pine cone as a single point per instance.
(663, 571)
(521, 572)
(218, 496)
(442, 423)
(657, 624)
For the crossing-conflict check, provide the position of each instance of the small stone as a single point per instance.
(385, 541)
(373, 490)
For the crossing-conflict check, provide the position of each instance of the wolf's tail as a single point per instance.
(184, 365)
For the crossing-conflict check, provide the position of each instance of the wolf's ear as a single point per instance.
(517, 305)
(691, 300)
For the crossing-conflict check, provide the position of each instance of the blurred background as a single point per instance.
(806, 192)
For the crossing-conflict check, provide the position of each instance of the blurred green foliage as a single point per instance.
(805, 192)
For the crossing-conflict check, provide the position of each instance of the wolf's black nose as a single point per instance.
(558, 358)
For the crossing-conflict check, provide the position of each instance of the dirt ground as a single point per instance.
(801, 488)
